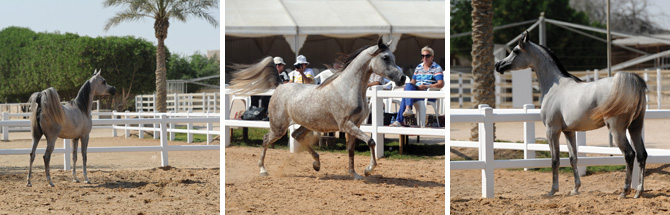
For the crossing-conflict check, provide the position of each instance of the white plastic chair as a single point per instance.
(322, 76)
(420, 108)
(245, 99)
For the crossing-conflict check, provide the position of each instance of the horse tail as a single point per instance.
(627, 97)
(256, 78)
(46, 104)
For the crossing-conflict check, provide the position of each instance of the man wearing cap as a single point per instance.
(302, 74)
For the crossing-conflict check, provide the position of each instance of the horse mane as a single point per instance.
(83, 97)
(345, 60)
(558, 63)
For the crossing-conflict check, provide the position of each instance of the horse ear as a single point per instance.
(390, 42)
(523, 40)
(380, 43)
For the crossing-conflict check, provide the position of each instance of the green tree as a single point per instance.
(575, 51)
(161, 11)
(194, 66)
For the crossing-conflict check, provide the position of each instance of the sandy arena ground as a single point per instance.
(521, 192)
(121, 182)
(293, 187)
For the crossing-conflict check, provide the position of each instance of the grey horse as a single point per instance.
(69, 121)
(570, 105)
(338, 104)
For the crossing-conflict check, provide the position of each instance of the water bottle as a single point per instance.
(392, 119)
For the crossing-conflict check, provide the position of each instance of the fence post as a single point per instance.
(581, 141)
(377, 120)
(646, 79)
(205, 105)
(172, 126)
(127, 125)
(291, 140)
(66, 155)
(5, 129)
(528, 135)
(164, 141)
(189, 127)
(460, 89)
(498, 88)
(113, 125)
(659, 88)
(596, 75)
(153, 106)
(140, 125)
(176, 104)
(226, 116)
(209, 130)
(156, 125)
(486, 150)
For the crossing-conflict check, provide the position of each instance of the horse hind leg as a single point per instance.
(619, 137)
(268, 139)
(75, 143)
(37, 135)
(572, 147)
(307, 138)
(635, 131)
(51, 142)
(351, 144)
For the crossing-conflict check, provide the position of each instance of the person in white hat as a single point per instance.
(283, 75)
(302, 74)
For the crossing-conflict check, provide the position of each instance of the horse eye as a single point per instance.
(385, 57)
(104, 82)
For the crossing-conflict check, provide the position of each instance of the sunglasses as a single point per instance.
(422, 56)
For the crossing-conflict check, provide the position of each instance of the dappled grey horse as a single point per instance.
(569, 105)
(69, 121)
(338, 104)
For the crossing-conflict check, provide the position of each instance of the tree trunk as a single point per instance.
(161, 26)
(482, 57)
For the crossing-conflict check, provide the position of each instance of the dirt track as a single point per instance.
(122, 182)
(293, 187)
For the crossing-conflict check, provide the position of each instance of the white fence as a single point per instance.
(461, 86)
(196, 102)
(377, 128)
(163, 123)
(486, 116)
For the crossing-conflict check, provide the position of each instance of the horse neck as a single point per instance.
(84, 99)
(548, 73)
(357, 68)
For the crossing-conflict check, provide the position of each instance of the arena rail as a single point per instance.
(376, 128)
(164, 121)
(486, 116)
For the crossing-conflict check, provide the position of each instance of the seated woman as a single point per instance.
(426, 75)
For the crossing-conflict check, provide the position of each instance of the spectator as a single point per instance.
(426, 75)
(264, 101)
(302, 74)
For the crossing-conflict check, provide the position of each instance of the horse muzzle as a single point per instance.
(401, 82)
(111, 91)
(502, 66)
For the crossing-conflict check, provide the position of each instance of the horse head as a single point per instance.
(99, 85)
(383, 63)
(518, 59)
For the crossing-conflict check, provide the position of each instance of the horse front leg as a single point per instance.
(351, 128)
(572, 148)
(351, 144)
(552, 137)
(268, 139)
(75, 144)
(84, 148)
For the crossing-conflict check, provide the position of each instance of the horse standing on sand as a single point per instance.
(569, 105)
(338, 104)
(69, 121)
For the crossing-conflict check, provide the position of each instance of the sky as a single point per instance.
(661, 8)
(88, 18)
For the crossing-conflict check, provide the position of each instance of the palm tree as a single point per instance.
(161, 11)
(482, 56)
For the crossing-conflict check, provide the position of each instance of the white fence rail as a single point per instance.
(486, 116)
(163, 123)
(377, 128)
(182, 102)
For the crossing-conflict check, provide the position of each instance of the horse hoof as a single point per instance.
(637, 195)
(622, 196)
(264, 174)
(75, 181)
(51, 185)
(29, 185)
(574, 192)
(87, 182)
(316, 166)
(357, 177)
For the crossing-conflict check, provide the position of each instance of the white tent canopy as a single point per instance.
(295, 19)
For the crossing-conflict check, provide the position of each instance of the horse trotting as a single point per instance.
(570, 105)
(69, 121)
(338, 104)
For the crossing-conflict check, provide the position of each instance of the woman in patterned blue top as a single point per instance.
(426, 75)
